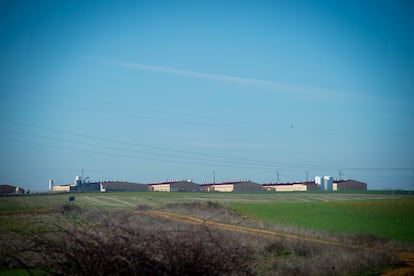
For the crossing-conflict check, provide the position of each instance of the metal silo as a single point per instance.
(328, 183)
(51, 184)
(319, 181)
(78, 181)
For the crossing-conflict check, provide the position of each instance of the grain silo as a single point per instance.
(78, 181)
(328, 183)
(318, 180)
(51, 184)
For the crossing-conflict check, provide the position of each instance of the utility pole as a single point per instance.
(277, 172)
(340, 174)
(307, 176)
(214, 176)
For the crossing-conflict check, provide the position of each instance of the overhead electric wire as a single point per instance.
(224, 158)
(232, 163)
(212, 160)
(131, 156)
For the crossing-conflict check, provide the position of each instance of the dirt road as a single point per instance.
(408, 269)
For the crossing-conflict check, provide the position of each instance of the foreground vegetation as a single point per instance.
(117, 234)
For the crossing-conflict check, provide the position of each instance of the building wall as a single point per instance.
(184, 186)
(207, 188)
(312, 187)
(350, 185)
(224, 187)
(247, 186)
(280, 188)
(86, 187)
(284, 188)
(9, 189)
(60, 188)
(178, 186)
(115, 186)
(268, 188)
(160, 187)
(300, 188)
(294, 187)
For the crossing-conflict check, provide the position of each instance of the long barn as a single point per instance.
(234, 186)
(174, 186)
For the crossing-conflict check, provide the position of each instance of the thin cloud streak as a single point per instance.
(243, 81)
(308, 93)
(311, 94)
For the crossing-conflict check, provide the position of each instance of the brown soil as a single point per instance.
(408, 259)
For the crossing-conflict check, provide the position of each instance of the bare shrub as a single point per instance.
(115, 244)
(69, 208)
(204, 253)
(285, 257)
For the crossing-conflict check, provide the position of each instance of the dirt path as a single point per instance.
(408, 269)
(406, 257)
(243, 229)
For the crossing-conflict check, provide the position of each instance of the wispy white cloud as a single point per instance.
(310, 93)
(307, 93)
(276, 86)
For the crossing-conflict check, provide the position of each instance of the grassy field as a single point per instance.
(389, 218)
(92, 224)
(385, 215)
(131, 200)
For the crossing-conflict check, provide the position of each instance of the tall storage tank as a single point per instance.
(318, 180)
(78, 181)
(328, 183)
(51, 184)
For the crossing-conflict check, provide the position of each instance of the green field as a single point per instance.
(389, 218)
(387, 215)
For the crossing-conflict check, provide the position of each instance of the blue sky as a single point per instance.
(146, 91)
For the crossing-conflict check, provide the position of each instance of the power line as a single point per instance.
(138, 151)
(222, 158)
(209, 120)
(109, 154)
(379, 169)
(195, 156)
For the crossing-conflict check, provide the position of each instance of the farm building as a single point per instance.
(291, 187)
(117, 186)
(349, 185)
(60, 188)
(174, 186)
(101, 186)
(10, 190)
(86, 187)
(235, 186)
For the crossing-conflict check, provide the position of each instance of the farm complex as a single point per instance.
(325, 183)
